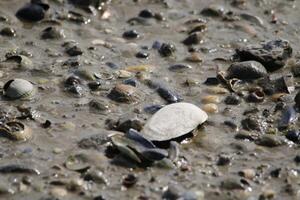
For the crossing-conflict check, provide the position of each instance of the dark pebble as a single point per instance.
(293, 135)
(129, 180)
(151, 109)
(275, 173)
(232, 99)
(131, 81)
(179, 67)
(132, 34)
(223, 160)
(125, 124)
(7, 31)
(93, 142)
(142, 55)
(112, 65)
(166, 49)
(231, 124)
(52, 33)
(32, 12)
(94, 85)
(297, 159)
(272, 55)
(74, 51)
(193, 39)
(72, 80)
(146, 13)
(297, 99)
(168, 95)
(211, 81)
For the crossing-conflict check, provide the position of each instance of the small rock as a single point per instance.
(166, 49)
(232, 99)
(124, 94)
(132, 34)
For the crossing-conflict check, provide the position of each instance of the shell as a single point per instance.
(173, 121)
(18, 88)
(16, 131)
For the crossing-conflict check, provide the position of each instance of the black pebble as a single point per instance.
(132, 34)
(32, 12)
(142, 55)
(166, 49)
(293, 135)
(232, 100)
(146, 13)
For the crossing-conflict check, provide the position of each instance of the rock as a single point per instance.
(232, 184)
(232, 99)
(132, 34)
(247, 70)
(124, 94)
(166, 49)
(269, 141)
(173, 121)
(32, 12)
(272, 55)
(193, 39)
(223, 160)
(173, 192)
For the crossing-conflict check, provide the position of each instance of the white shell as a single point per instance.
(19, 88)
(173, 121)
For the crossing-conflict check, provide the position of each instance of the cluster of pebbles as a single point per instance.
(146, 99)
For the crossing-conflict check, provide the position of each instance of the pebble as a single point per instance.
(210, 108)
(131, 34)
(8, 31)
(193, 39)
(58, 192)
(232, 99)
(247, 173)
(180, 67)
(166, 49)
(124, 94)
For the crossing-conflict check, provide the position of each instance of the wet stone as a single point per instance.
(146, 13)
(32, 12)
(269, 141)
(74, 51)
(166, 49)
(247, 70)
(52, 33)
(223, 160)
(272, 54)
(169, 95)
(8, 31)
(129, 180)
(193, 39)
(124, 124)
(132, 34)
(212, 81)
(133, 82)
(232, 99)
(180, 67)
(124, 94)
(213, 11)
(293, 135)
(141, 54)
